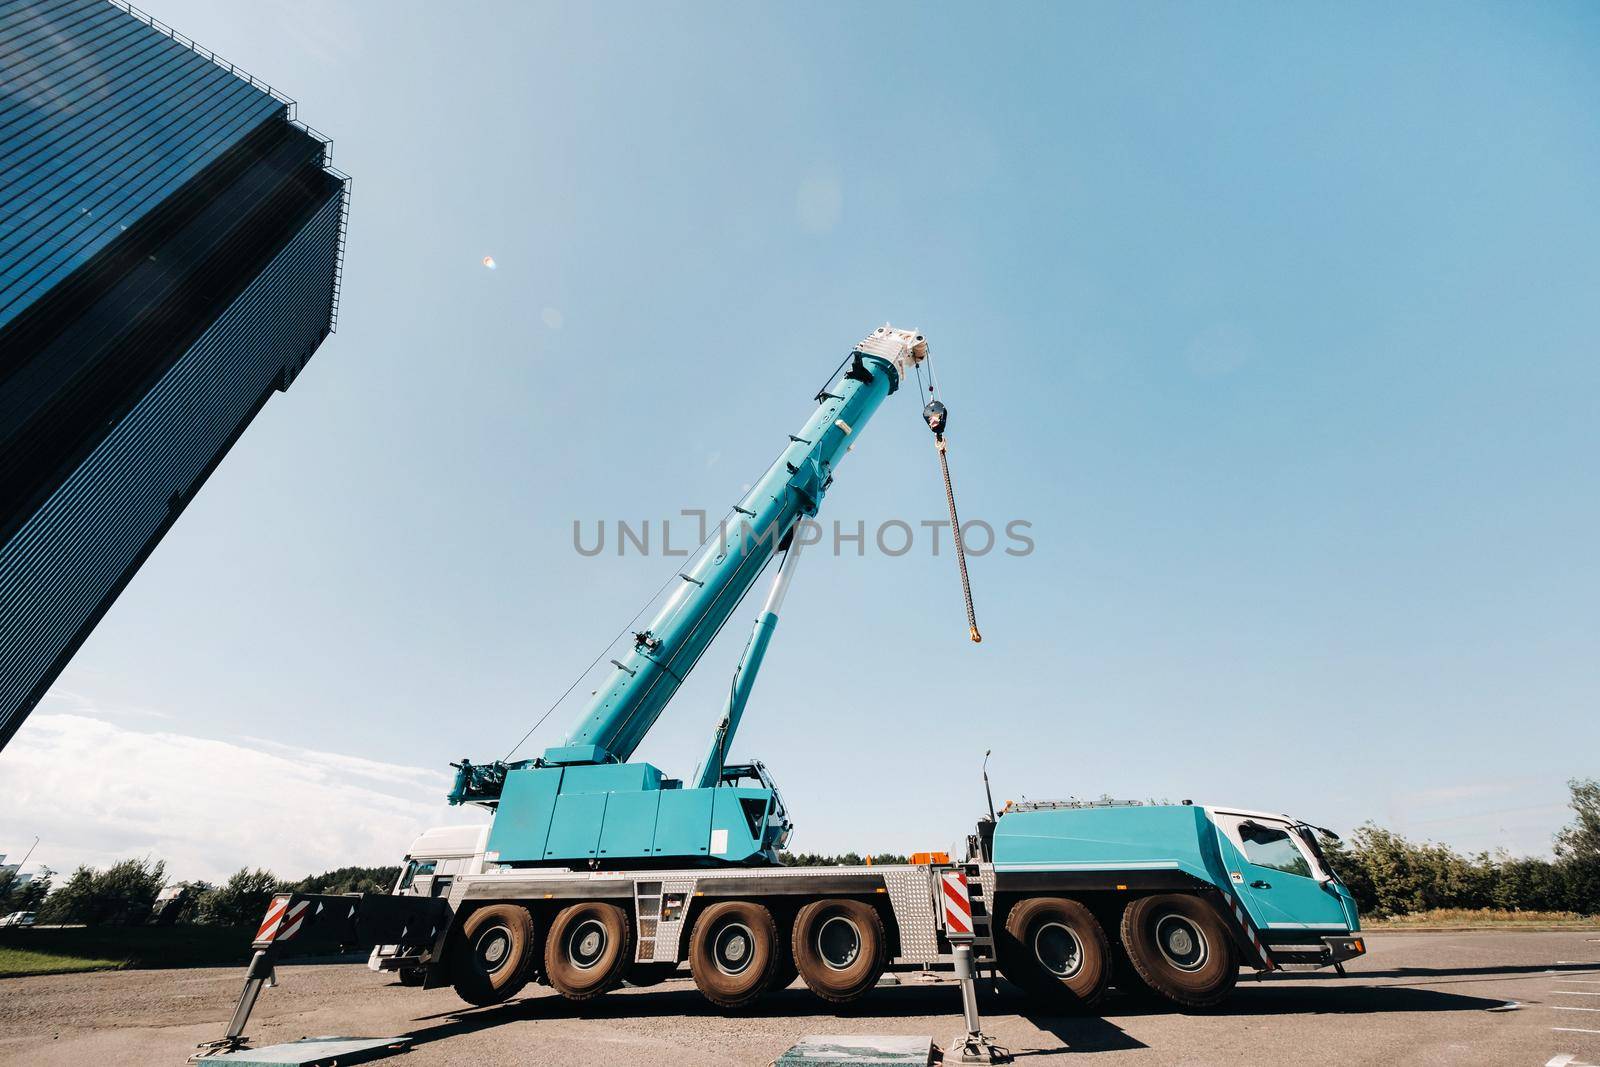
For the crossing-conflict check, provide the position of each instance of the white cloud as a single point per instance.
(96, 792)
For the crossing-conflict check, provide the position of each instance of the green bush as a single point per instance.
(1390, 875)
(121, 895)
(350, 880)
(16, 895)
(240, 901)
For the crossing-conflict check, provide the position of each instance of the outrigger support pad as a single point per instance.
(259, 973)
(973, 1046)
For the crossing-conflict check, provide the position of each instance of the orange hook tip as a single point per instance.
(977, 638)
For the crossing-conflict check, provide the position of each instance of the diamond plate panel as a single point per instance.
(669, 929)
(911, 896)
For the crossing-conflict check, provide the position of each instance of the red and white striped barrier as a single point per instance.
(957, 905)
(282, 920)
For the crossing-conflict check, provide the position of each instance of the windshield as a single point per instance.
(1308, 835)
(766, 780)
(417, 869)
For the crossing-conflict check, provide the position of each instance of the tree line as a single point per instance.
(130, 893)
(1391, 875)
(1388, 874)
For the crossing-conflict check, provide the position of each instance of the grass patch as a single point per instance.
(32, 950)
(1483, 919)
(16, 962)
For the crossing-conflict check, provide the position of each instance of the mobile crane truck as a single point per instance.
(596, 870)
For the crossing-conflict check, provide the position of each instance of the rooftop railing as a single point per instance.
(290, 108)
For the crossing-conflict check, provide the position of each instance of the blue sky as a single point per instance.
(1278, 324)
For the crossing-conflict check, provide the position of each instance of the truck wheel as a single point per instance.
(1180, 948)
(733, 951)
(588, 950)
(1056, 949)
(838, 948)
(490, 957)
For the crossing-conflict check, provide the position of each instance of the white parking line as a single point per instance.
(1567, 1007)
(1575, 992)
(1574, 1030)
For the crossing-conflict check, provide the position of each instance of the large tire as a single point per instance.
(733, 952)
(1180, 948)
(1056, 950)
(491, 956)
(588, 950)
(839, 948)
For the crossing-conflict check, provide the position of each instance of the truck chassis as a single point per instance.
(1070, 951)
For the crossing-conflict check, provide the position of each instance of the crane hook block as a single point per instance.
(936, 416)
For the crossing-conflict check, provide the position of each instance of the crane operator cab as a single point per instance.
(776, 824)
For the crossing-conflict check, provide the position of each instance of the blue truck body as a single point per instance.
(1267, 871)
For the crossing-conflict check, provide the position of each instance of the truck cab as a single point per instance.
(1185, 893)
(438, 857)
(433, 863)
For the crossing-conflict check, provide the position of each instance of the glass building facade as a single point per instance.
(171, 240)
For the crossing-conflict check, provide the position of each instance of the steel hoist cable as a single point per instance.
(961, 552)
(937, 416)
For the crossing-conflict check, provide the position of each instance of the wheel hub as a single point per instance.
(1182, 942)
(733, 948)
(493, 947)
(587, 943)
(838, 942)
(1058, 950)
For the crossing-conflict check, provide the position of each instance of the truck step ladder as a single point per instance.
(983, 951)
(647, 911)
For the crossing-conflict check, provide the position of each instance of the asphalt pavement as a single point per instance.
(1416, 998)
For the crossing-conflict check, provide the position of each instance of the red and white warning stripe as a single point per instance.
(282, 920)
(1249, 928)
(957, 904)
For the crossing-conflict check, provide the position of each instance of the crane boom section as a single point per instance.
(623, 710)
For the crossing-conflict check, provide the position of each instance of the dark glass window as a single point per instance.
(1267, 847)
(418, 869)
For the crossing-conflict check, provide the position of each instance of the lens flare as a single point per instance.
(488, 261)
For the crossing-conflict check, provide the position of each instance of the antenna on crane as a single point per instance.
(987, 792)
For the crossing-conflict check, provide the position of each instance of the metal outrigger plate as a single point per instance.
(858, 1050)
(315, 1052)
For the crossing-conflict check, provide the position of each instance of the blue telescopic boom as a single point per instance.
(622, 711)
(744, 676)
